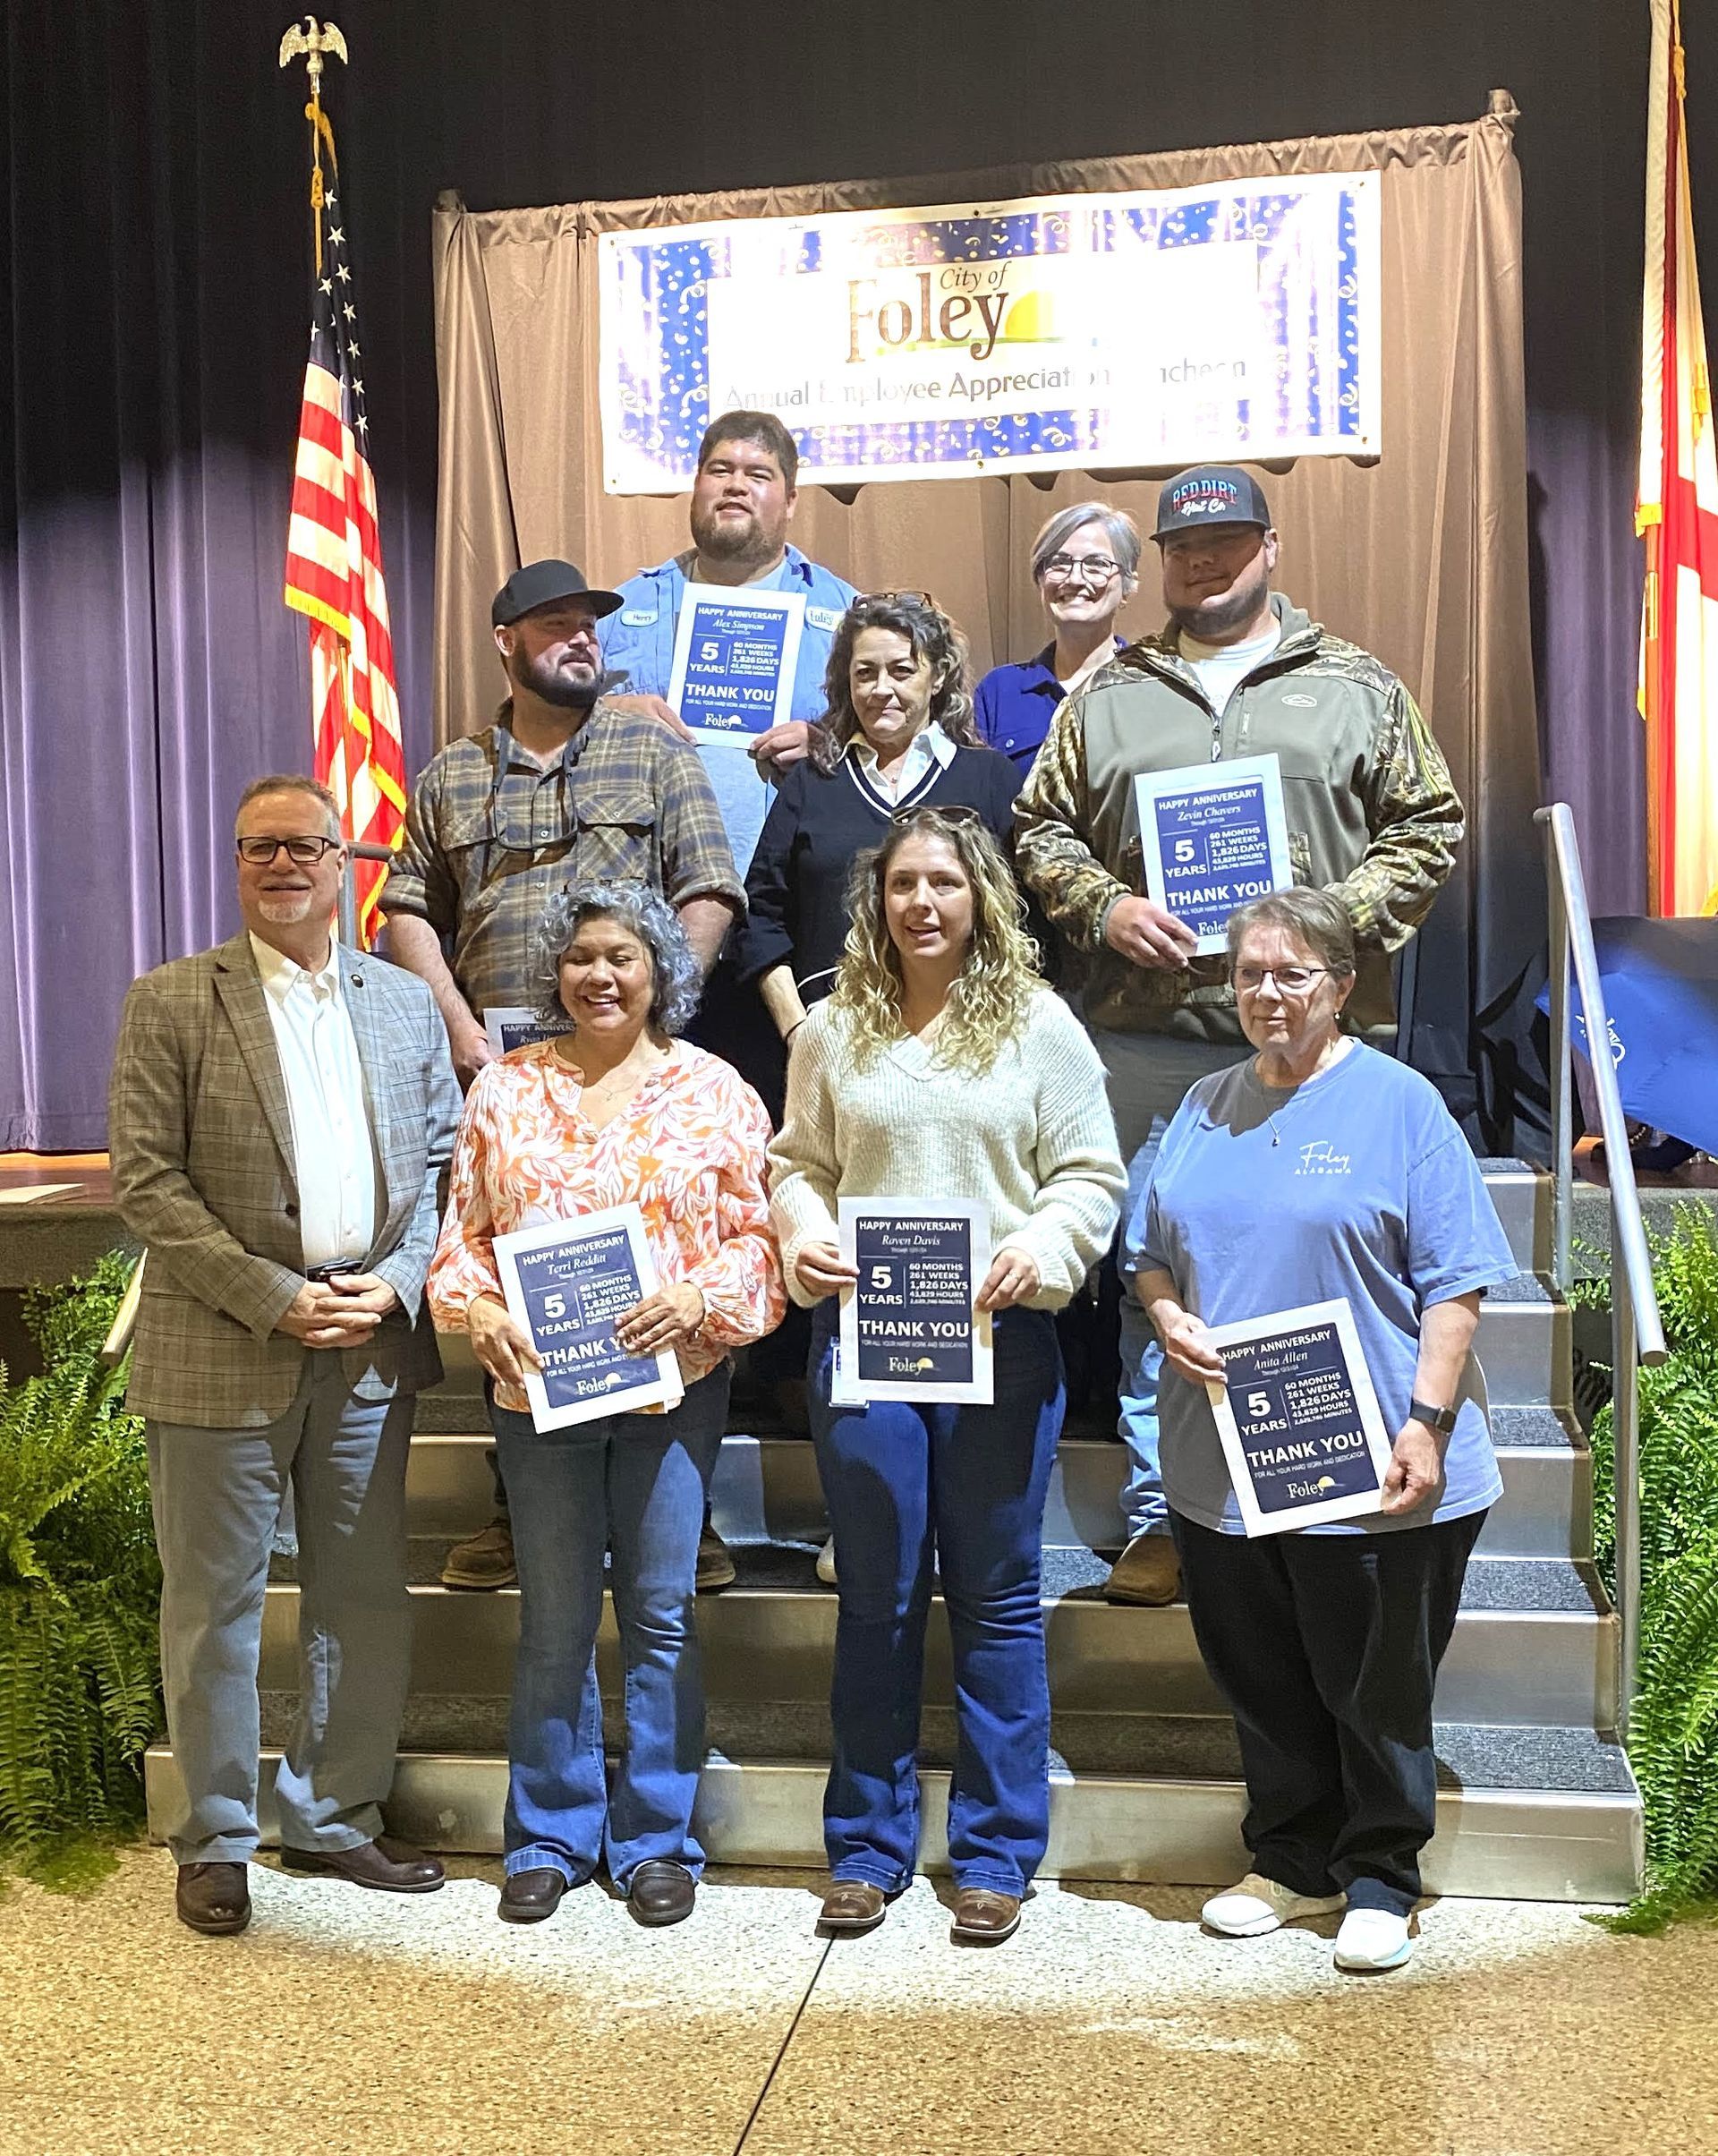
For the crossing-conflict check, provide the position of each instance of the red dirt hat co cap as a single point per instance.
(1210, 494)
(539, 583)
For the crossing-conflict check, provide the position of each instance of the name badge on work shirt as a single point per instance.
(823, 618)
(637, 617)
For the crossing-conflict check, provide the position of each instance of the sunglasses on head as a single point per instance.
(923, 597)
(956, 813)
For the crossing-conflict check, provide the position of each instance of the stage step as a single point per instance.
(1529, 1814)
(1535, 1642)
(1522, 1196)
(766, 1489)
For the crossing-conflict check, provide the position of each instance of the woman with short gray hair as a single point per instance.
(1320, 1171)
(615, 1111)
(1085, 564)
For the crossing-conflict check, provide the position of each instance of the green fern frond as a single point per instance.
(80, 1692)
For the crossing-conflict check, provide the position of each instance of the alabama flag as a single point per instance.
(1676, 512)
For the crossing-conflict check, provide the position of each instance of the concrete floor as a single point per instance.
(345, 2021)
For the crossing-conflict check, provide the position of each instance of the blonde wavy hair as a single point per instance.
(986, 1005)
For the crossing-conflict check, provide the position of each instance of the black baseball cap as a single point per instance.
(540, 581)
(1210, 494)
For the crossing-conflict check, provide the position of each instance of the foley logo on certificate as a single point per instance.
(1300, 1426)
(567, 1282)
(734, 653)
(1213, 837)
(908, 1327)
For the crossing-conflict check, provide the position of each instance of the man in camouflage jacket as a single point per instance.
(1237, 670)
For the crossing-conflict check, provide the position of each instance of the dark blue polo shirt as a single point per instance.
(1014, 704)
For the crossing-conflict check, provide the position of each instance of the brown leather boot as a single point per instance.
(214, 1900)
(852, 1905)
(983, 1918)
(1148, 1572)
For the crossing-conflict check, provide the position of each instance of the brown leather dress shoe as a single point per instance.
(214, 1900)
(852, 1905)
(527, 1898)
(983, 1918)
(1147, 1572)
(390, 1865)
(662, 1893)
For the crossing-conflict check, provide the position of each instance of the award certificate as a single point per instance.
(1213, 836)
(735, 652)
(511, 1025)
(567, 1281)
(908, 1327)
(1298, 1418)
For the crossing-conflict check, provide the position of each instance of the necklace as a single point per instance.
(1339, 1049)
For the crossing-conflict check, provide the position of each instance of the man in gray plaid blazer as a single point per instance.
(280, 1113)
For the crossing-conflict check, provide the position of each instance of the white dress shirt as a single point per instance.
(334, 1152)
(929, 750)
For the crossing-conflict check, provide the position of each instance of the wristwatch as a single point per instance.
(1441, 1419)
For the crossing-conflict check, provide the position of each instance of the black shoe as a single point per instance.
(214, 1900)
(527, 1898)
(393, 1866)
(662, 1893)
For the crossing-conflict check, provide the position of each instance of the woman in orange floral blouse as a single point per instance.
(615, 1111)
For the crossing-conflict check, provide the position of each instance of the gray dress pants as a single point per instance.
(216, 1495)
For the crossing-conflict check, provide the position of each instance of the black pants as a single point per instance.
(1326, 1648)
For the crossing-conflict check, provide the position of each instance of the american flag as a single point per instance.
(334, 565)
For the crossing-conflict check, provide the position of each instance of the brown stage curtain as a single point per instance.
(1421, 557)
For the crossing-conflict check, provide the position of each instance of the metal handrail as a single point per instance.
(1636, 1332)
(359, 850)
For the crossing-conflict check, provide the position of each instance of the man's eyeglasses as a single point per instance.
(302, 853)
(1291, 980)
(1091, 568)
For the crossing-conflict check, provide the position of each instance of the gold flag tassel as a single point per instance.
(316, 41)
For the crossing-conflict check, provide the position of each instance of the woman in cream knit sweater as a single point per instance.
(943, 1067)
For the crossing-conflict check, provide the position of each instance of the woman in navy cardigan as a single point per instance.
(897, 733)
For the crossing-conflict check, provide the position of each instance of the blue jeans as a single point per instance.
(1148, 1075)
(964, 1487)
(633, 1485)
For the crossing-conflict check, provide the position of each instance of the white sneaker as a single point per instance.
(1259, 1904)
(825, 1563)
(1372, 1938)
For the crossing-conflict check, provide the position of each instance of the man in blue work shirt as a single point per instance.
(743, 502)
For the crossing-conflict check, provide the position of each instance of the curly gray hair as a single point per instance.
(676, 979)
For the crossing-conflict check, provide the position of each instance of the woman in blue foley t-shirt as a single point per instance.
(1320, 1168)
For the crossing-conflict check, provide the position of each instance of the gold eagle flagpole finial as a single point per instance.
(317, 41)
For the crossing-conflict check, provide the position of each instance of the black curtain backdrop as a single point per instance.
(153, 278)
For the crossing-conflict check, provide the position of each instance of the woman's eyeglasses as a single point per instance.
(1090, 568)
(1291, 980)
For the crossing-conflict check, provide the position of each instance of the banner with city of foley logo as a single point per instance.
(1301, 1430)
(735, 652)
(565, 1282)
(1238, 319)
(908, 1327)
(1214, 836)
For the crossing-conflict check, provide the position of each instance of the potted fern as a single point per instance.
(79, 1585)
(1673, 1730)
